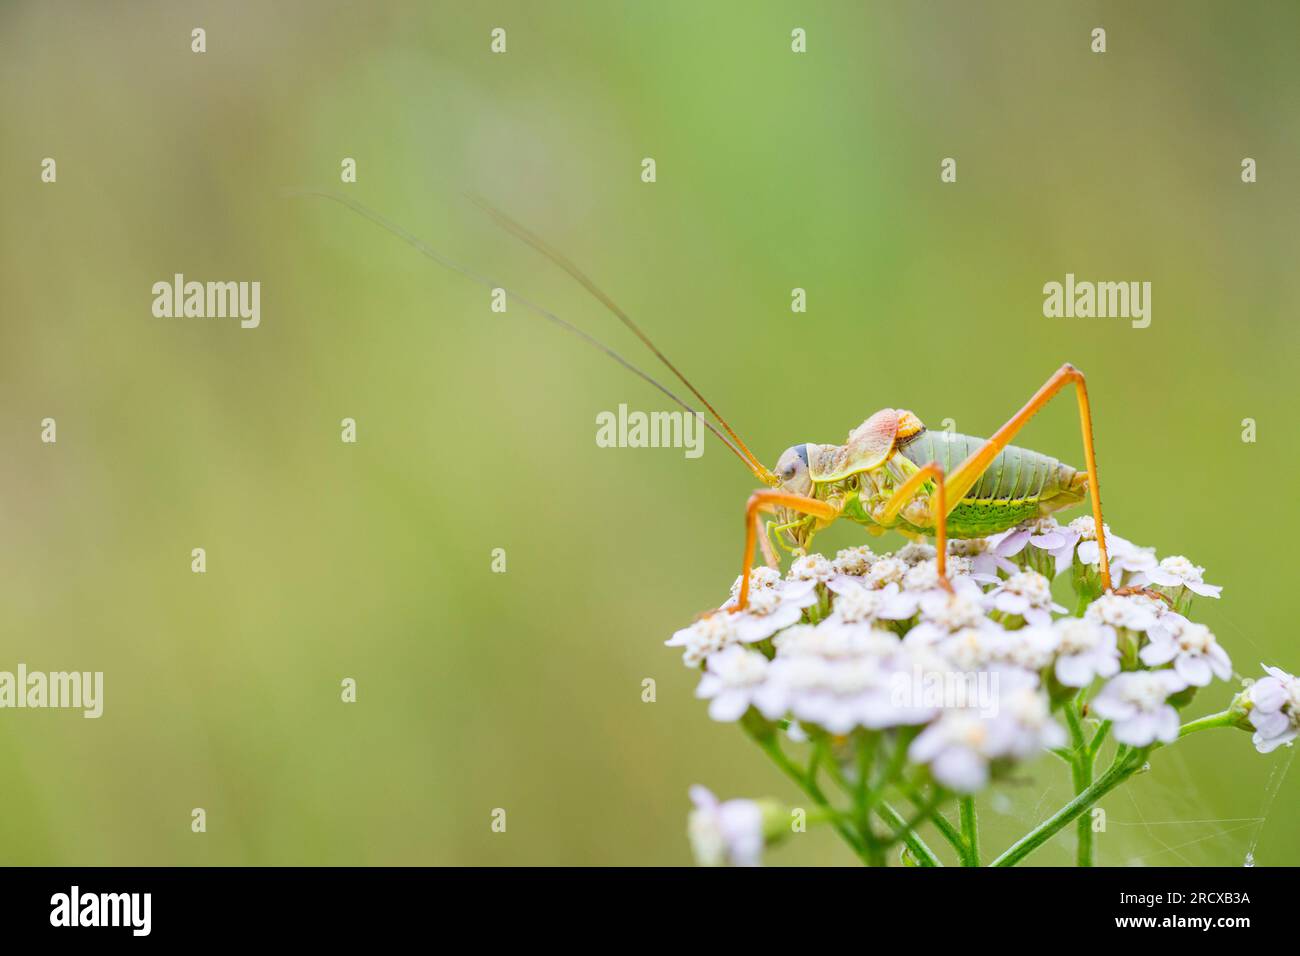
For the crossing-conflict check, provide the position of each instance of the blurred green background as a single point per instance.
(476, 430)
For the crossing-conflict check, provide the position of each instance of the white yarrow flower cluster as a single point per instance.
(1025, 594)
(1177, 572)
(725, 834)
(961, 745)
(1273, 708)
(965, 680)
(1194, 651)
(1137, 704)
(1085, 650)
(731, 679)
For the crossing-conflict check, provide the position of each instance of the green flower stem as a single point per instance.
(860, 793)
(970, 831)
(818, 815)
(893, 771)
(1125, 766)
(924, 812)
(1127, 762)
(1224, 718)
(1094, 746)
(837, 775)
(924, 855)
(866, 753)
(772, 747)
(941, 823)
(1081, 766)
(814, 763)
(874, 850)
(1076, 726)
(1083, 827)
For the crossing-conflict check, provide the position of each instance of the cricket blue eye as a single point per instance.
(802, 452)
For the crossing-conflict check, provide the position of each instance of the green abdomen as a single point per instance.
(1019, 484)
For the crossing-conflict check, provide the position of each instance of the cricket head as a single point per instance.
(792, 470)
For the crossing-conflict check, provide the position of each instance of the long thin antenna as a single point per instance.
(524, 234)
(420, 246)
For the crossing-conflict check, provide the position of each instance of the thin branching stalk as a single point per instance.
(1098, 738)
(970, 831)
(772, 747)
(941, 822)
(920, 850)
(866, 755)
(1127, 762)
(1124, 767)
(1081, 773)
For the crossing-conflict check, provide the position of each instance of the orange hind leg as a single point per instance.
(964, 476)
(969, 471)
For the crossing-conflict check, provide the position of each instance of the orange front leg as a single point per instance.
(938, 511)
(769, 500)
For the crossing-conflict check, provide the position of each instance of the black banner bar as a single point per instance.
(375, 905)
